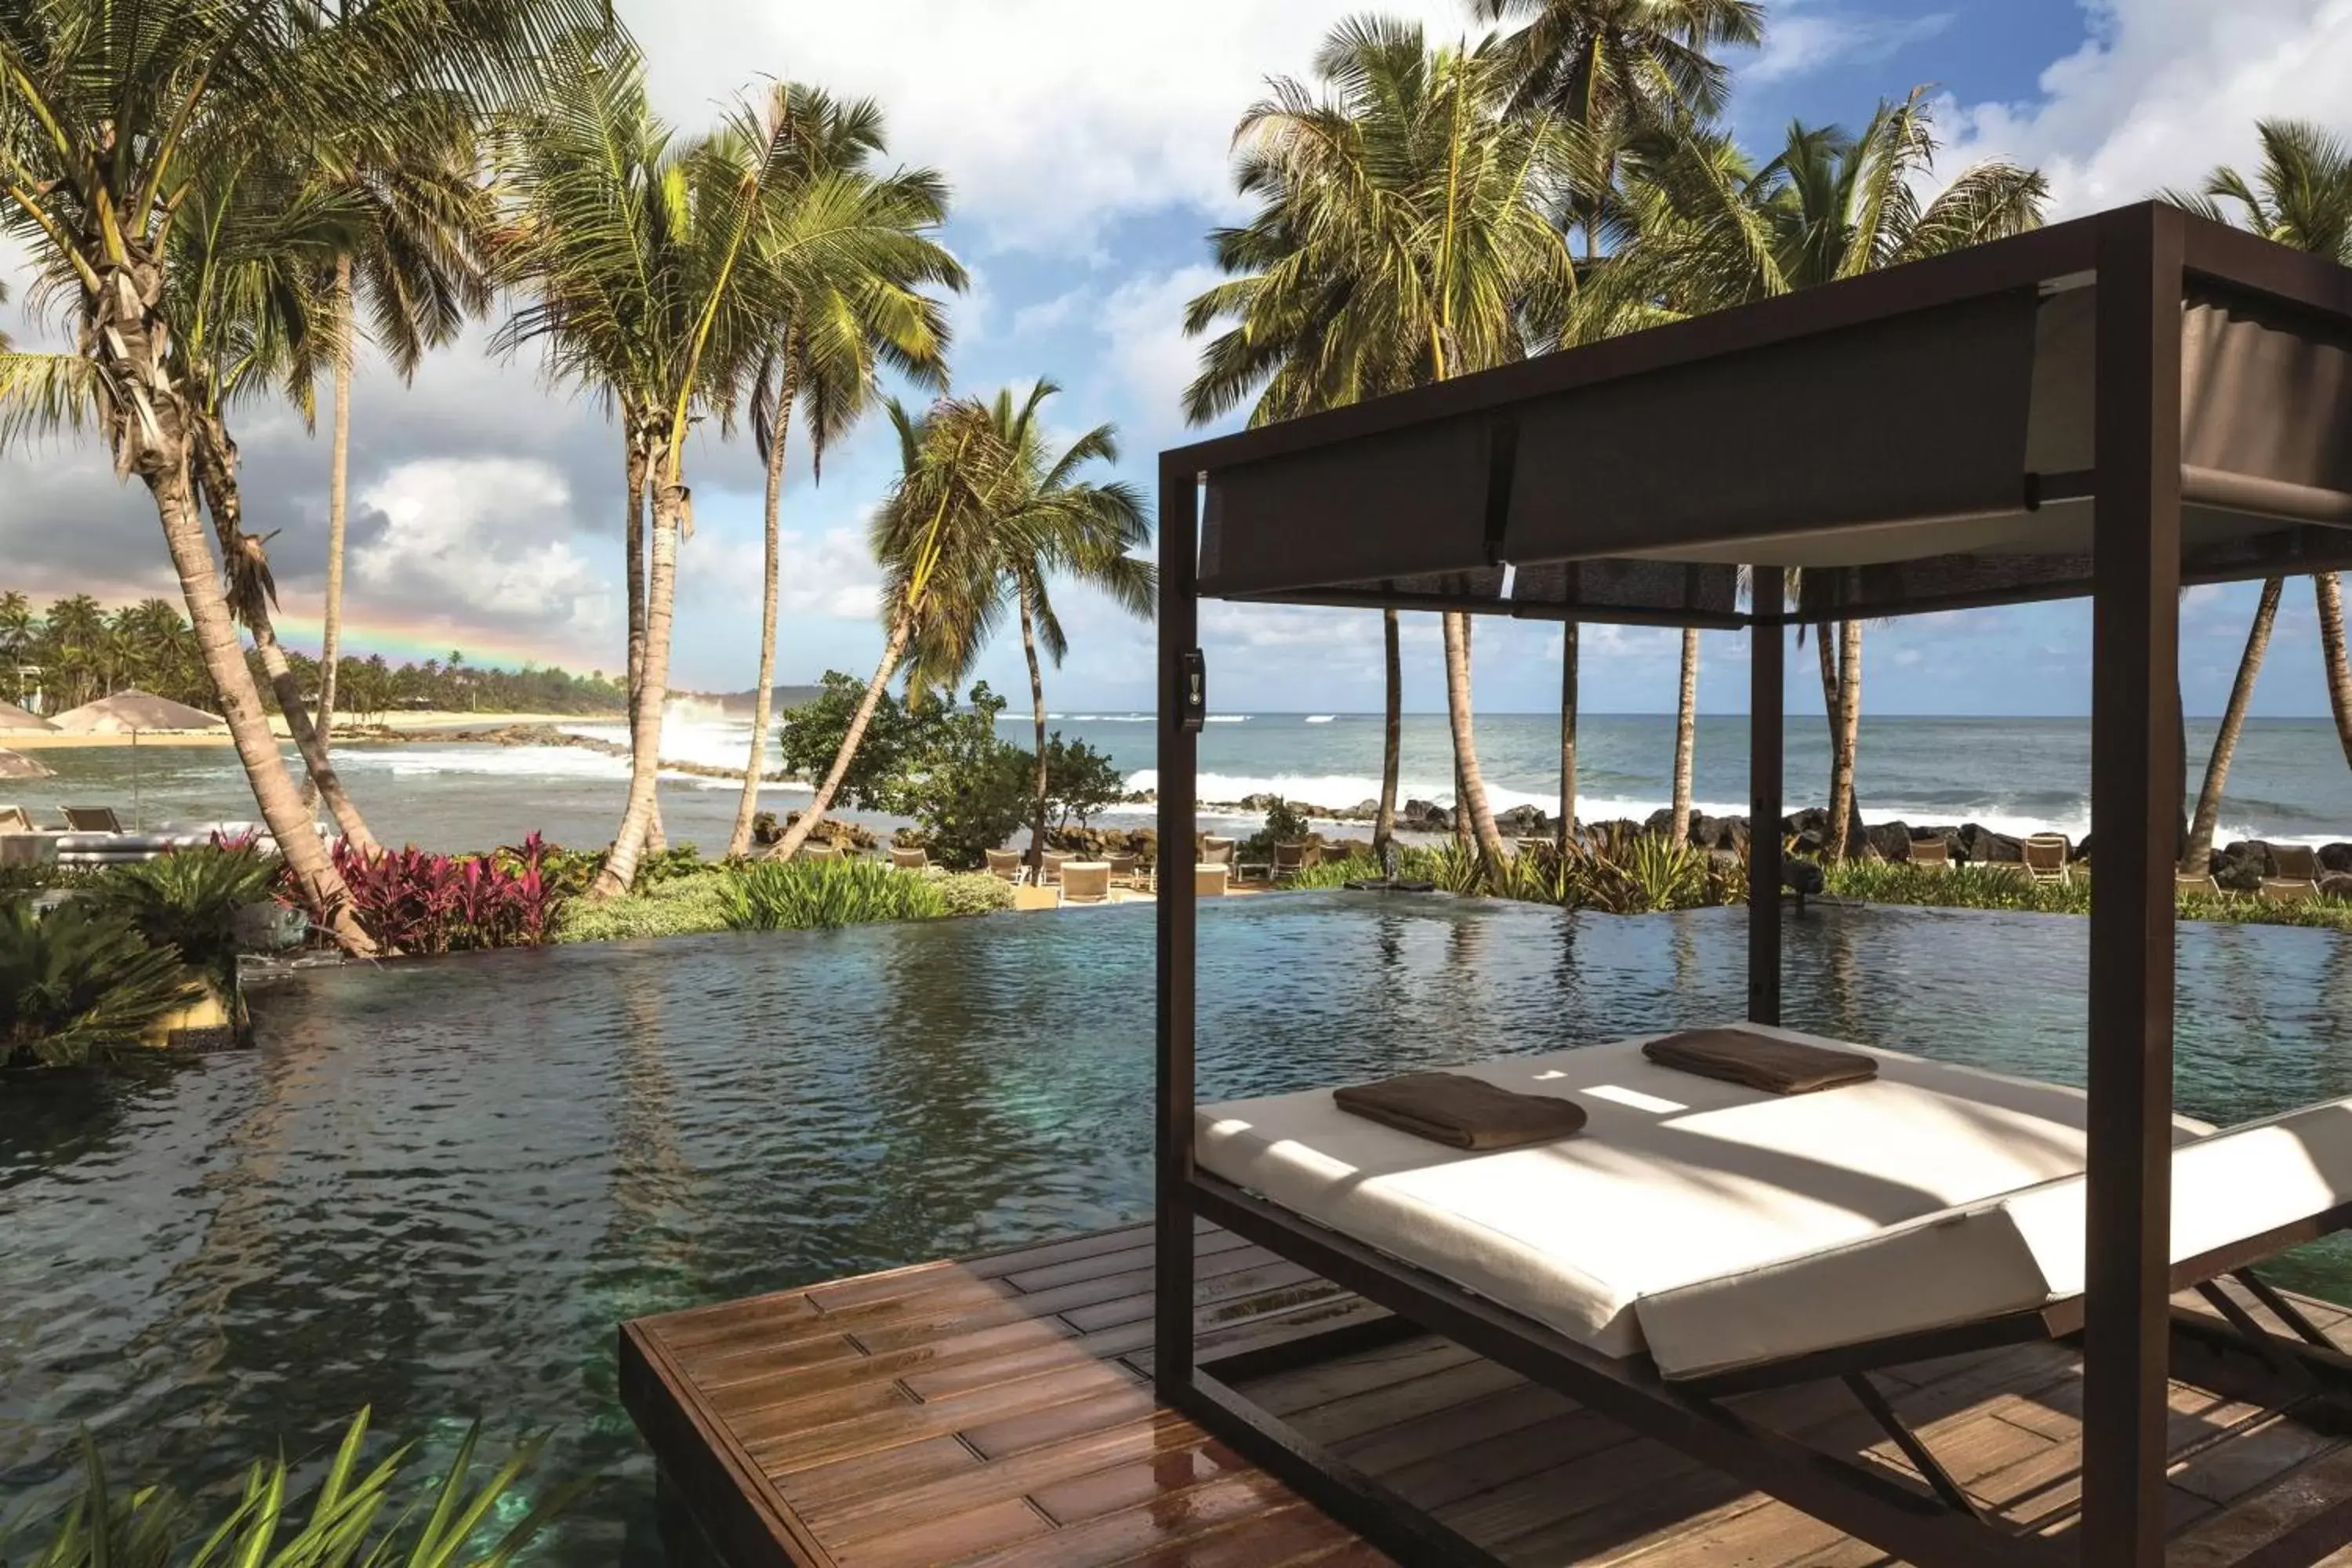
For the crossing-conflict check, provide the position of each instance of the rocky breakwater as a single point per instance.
(549, 735)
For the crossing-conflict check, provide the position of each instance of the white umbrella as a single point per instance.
(15, 718)
(127, 712)
(15, 766)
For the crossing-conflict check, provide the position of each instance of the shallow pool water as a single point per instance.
(435, 1188)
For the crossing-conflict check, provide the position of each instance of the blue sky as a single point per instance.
(1085, 143)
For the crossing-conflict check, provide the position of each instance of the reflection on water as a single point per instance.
(434, 1188)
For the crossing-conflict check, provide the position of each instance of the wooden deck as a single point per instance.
(997, 1411)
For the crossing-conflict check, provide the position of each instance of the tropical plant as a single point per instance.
(967, 790)
(110, 124)
(151, 1526)
(891, 734)
(78, 985)
(2197, 853)
(1403, 235)
(2300, 195)
(416, 902)
(640, 265)
(820, 895)
(685, 905)
(1708, 230)
(1080, 780)
(848, 308)
(188, 900)
(973, 892)
(1285, 824)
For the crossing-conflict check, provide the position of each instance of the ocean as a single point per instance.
(2290, 782)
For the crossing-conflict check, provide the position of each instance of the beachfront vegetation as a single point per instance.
(189, 901)
(79, 985)
(820, 895)
(417, 902)
(383, 1515)
(682, 905)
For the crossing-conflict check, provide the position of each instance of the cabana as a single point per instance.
(2114, 407)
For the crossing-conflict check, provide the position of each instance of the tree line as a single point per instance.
(77, 651)
(1422, 213)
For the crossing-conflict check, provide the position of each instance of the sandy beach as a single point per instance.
(419, 725)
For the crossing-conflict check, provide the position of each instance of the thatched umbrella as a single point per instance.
(15, 718)
(14, 765)
(130, 711)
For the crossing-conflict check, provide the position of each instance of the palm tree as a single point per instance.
(639, 262)
(1403, 235)
(16, 631)
(2197, 855)
(415, 212)
(1042, 523)
(107, 117)
(839, 327)
(2302, 196)
(1713, 231)
(1392, 735)
(942, 537)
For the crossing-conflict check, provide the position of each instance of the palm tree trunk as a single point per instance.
(797, 834)
(1570, 656)
(763, 691)
(1845, 737)
(1391, 737)
(339, 469)
(2327, 588)
(1037, 703)
(1686, 736)
(2197, 856)
(637, 819)
(639, 464)
(1461, 837)
(215, 464)
(1473, 797)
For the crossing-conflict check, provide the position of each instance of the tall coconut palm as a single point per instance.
(2300, 196)
(2197, 854)
(841, 325)
(942, 540)
(1043, 522)
(1713, 231)
(1403, 235)
(638, 262)
(415, 213)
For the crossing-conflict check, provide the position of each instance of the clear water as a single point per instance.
(437, 1186)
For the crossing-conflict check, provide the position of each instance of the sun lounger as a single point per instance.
(1289, 859)
(2044, 856)
(1126, 870)
(2294, 876)
(2184, 883)
(1209, 880)
(1086, 882)
(815, 851)
(1698, 1238)
(1934, 852)
(1049, 869)
(92, 819)
(2287, 890)
(1217, 851)
(16, 820)
(909, 859)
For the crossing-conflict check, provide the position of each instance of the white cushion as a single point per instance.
(1674, 1179)
(2016, 1253)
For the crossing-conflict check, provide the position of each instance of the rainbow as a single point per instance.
(413, 641)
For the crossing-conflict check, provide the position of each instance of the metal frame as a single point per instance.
(2142, 257)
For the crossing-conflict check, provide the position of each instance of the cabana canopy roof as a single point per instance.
(1914, 439)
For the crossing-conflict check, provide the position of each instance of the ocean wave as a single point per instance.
(1229, 718)
(1321, 717)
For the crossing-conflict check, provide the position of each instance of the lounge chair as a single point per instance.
(1004, 863)
(1934, 852)
(1289, 859)
(2287, 890)
(1209, 879)
(2045, 857)
(2186, 884)
(92, 819)
(2296, 874)
(1049, 869)
(1126, 870)
(905, 860)
(1215, 851)
(1086, 882)
(1700, 1238)
(16, 820)
(816, 850)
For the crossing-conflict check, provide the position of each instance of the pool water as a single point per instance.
(434, 1188)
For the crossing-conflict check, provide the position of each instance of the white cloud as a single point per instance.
(829, 575)
(1801, 39)
(2164, 89)
(1142, 323)
(1051, 117)
(479, 536)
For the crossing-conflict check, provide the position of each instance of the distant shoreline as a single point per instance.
(419, 725)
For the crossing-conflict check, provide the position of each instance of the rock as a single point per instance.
(1523, 821)
(1367, 809)
(1416, 811)
(2237, 873)
(2335, 858)
(1891, 840)
(1658, 822)
(2337, 885)
(1983, 847)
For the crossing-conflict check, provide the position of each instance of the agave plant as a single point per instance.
(821, 895)
(79, 985)
(148, 1528)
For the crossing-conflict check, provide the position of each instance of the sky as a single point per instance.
(1087, 145)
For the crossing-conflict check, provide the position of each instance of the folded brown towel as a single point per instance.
(1760, 1061)
(1464, 1112)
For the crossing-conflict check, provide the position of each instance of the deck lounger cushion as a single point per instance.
(1460, 1111)
(2012, 1254)
(1759, 1061)
(1675, 1178)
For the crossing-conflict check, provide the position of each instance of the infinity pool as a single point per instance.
(436, 1186)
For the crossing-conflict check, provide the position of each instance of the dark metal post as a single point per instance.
(1768, 654)
(2134, 816)
(1178, 753)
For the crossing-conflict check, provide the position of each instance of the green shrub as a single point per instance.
(79, 986)
(1079, 780)
(973, 892)
(189, 899)
(681, 905)
(271, 1527)
(1969, 887)
(571, 872)
(1285, 824)
(821, 894)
